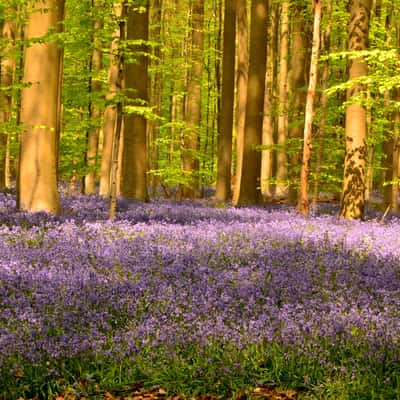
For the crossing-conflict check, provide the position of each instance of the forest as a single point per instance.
(199, 199)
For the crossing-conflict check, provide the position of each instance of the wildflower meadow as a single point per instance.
(197, 300)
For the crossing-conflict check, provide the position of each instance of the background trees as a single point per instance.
(182, 125)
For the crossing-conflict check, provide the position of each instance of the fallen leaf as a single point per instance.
(19, 373)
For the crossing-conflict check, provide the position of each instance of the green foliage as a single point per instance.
(222, 371)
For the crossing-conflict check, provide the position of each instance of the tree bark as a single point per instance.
(7, 68)
(190, 160)
(110, 113)
(281, 168)
(116, 142)
(134, 163)
(394, 205)
(325, 44)
(94, 109)
(390, 143)
(299, 60)
(309, 114)
(353, 193)
(38, 170)
(242, 78)
(223, 191)
(269, 104)
(156, 89)
(251, 169)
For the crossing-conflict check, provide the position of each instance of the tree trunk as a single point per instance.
(223, 191)
(303, 200)
(370, 164)
(390, 143)
(242, 77)
(116, 144)
(281, 167)
(115, 162)
(154, 126)
(110, 113)
(38, 169)
(387, 161)
(269, 118)
(251, 169)
(325, 44)
(134, 164)
(300, 53)
(353, 194)
(190, 161)
(94, 110)
(395, 175)
(7, 68)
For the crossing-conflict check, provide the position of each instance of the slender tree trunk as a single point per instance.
(242, 78)
(395, 175)
(388, 150)
(217, 106)
(370, 141)
(94, 109)
(190, 161)
(115, 163)
(134, 164)
(154, 126)
(7, 69)
(396, 144)
(353, 194)
(116, 153)
(7, 163)
(59, 125)
(18, 78)
(390, 143)
(299, 55)
(269, 117)
(325, 44)
(303, 200)
(281, 167)
(251, 169)
(369, 167)
(223, 191)
(38, 169)
(110, 113)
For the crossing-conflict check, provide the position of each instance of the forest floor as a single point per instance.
(139, 392)
(187, 301)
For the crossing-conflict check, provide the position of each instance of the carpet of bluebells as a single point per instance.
(198, 299)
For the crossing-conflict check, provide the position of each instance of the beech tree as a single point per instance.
(250, 192)
(325, 45)
(298, 93)
(242, 78)
(223, 189)
(7, 69)
(269, 124)
(134, 161)
(190, 161)
(37, 183)
(353, 194)
(309, 113)
(281, 168)
(114, 81)
(95, 111)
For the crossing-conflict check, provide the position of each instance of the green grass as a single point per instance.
(340, 374)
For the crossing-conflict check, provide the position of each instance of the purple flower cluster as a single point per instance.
(173, 276)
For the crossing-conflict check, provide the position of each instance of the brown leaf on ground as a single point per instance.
(137, 391)
(271, 393)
